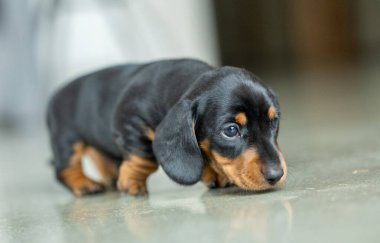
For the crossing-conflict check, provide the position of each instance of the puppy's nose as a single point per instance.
(273, 175)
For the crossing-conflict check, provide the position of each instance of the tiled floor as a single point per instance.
(330, 135)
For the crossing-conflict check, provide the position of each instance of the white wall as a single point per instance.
(88, 35)
(43, 45)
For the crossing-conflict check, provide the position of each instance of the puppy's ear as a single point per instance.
(175, 145)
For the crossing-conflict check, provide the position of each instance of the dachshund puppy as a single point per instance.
(200, 123)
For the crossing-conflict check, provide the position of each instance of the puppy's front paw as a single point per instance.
(133, 175)
(132, 186)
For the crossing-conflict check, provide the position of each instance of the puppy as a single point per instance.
(200, 123)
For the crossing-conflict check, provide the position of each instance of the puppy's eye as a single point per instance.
(231, 131)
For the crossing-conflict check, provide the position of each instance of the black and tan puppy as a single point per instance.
(217, 125)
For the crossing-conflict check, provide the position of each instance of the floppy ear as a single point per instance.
(175, 145)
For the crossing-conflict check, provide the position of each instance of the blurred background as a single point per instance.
(321, 57)
(45, 43)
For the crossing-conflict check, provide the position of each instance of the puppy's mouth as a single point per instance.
(246, 172)
(248, 183)
(252, 178)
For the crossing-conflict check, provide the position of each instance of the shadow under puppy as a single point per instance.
(217, 125)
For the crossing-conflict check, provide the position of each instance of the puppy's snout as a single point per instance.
(273, 175)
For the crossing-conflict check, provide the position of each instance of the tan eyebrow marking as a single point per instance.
(271, 113)
(241, 118)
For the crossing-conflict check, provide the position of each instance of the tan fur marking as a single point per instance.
(105, 166)
(78, 183)
(205, 145)
(221, 159)
(78, 150)
(241, 118)
(271, 113)
(244, 170)
(150, 134)
(73, 176)
(208, 175)
(133, 174)
(211, 171)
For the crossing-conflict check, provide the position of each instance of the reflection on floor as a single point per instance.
(329, 135)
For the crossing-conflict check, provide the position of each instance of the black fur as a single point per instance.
(176, 146)
(111, 110)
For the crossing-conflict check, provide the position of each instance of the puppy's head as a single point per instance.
(232, 124)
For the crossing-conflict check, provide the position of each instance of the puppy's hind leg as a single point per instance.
(68, 151)
(70, 172)
(99, 167)
(66, 142)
